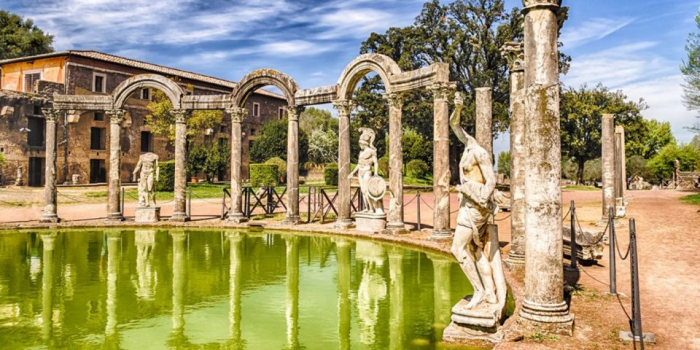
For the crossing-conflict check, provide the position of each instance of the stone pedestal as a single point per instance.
(370, 222)
(479, 323)
(147, 214)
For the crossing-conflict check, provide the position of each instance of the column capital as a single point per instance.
(116, 116)
(530, 4)
(344, 107)
(442, 91)
(237, 114)
(180, 115)
(515, 54)
(293, 112)
(51, 114)
(394, 99)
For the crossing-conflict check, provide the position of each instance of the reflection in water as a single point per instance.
(146, 279)
(372, 288)
(97, 289)
(292, 243)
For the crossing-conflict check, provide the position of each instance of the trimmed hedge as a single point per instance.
(417, 169)
(263, 175)
(166, 181)
(330, 174)
(281, 167)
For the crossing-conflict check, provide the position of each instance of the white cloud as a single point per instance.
(592, 30)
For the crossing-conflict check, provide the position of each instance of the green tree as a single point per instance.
(20, 37)
(415, 146)
(581, 118)
(315, 118)
(695, 142)
(636, 166)
(208, 159)
(504, 163)
(691, 71)
(323, 146)
(272, 142)
(662, 165)
(162, 121)
(593, 171)
(657, 135)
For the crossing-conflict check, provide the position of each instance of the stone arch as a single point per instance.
(360, 66)
(128, 86)
(264, 77)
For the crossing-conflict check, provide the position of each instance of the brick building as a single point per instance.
(27, 84)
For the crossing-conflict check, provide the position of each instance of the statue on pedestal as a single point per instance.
(148, 166)
(475, 243)
(372, 186)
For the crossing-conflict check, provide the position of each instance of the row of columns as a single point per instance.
(116, 116)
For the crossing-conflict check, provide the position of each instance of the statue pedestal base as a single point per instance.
(370, 222)
(480, 323)
(147, 214)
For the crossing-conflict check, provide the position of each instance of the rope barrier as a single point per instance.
(617, 245)
(426, 203)
(578, 223)
(507, 217)
(411, 201)
(204, 199)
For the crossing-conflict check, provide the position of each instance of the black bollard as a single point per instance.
(636, 322)
(574, 247)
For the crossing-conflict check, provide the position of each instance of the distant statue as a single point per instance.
(475, 243)
(372, 186)
(18, 180)
(148, 165)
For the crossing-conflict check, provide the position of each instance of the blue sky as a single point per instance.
(633, 45)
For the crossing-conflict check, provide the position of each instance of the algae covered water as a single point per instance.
(160, 289)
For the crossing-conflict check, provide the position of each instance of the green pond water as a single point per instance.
(158, 289)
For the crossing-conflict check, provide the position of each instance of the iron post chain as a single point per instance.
(636, 322)
(611, 247)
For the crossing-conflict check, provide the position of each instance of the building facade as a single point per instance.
(27, 85)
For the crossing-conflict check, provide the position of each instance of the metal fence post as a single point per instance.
(122, 200)
(189, 202)
(418, 209)
(574, 247)
(636, 323)
(611, 247)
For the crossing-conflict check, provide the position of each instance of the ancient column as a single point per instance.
(116, 116)
(50, 193)
(114, 239)
(608, 165)
(395, 222)
(484, 119)
(543, 306)
(344, 108)
(179, 278)
(342, 251)
(441, 161)
(237, 116)
(292, 313)
(513, 51)
(396, 298)
(620, 167)
(179, 212)
(293, 113)
(235, 286)
(48, 240)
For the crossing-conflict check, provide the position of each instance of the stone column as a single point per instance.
(543, 308)
(344, 108)
(293, 113)
(342, 250)
(180, 213)
(484, 119)
(441, 161)
(116, 116)
(50, 193)
(514, 52)
(620, 166)
(396, 298)
(235, 285)
(292, 313)
(48, 241)
(237, 115)
(608, 165)
(114, 239)
(395, 222)
(179, 278)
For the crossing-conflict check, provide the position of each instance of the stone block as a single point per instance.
(479, 323)
(370, 222)
(147, 214)
(590, 244)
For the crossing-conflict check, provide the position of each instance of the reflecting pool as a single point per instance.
(152, 289)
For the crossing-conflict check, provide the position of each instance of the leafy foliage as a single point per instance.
(263, 175)
(209, 159)
(662, 166)
(417, 168)
(330, 175)
(504, 163)
(281, 167)
(323, 146)
(166, 176)
(636, 166)
(691, 71)
(2, 160)
(416, 147)
(657, 135)
(272, 142)
(314, 118)
(581, 120)
(162, 121)
(20, 37)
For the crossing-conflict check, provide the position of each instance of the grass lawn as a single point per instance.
(580, 188)
(692, 199)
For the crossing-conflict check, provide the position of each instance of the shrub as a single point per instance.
(2, 160)
(281, 167)
(417, 169)
(263, 175)
(330, 174)
(166, 180)
(384, 165)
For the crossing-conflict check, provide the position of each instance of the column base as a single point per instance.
(395, 228)
(237, 218)
(343, 224)
(440, 235)
(546, 318)
(291, 220)
(515, 261)
(179, 217)
(115, 217)
(49, 218)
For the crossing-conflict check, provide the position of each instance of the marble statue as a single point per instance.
(475, 243)
(372, 186)
(148, 166)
